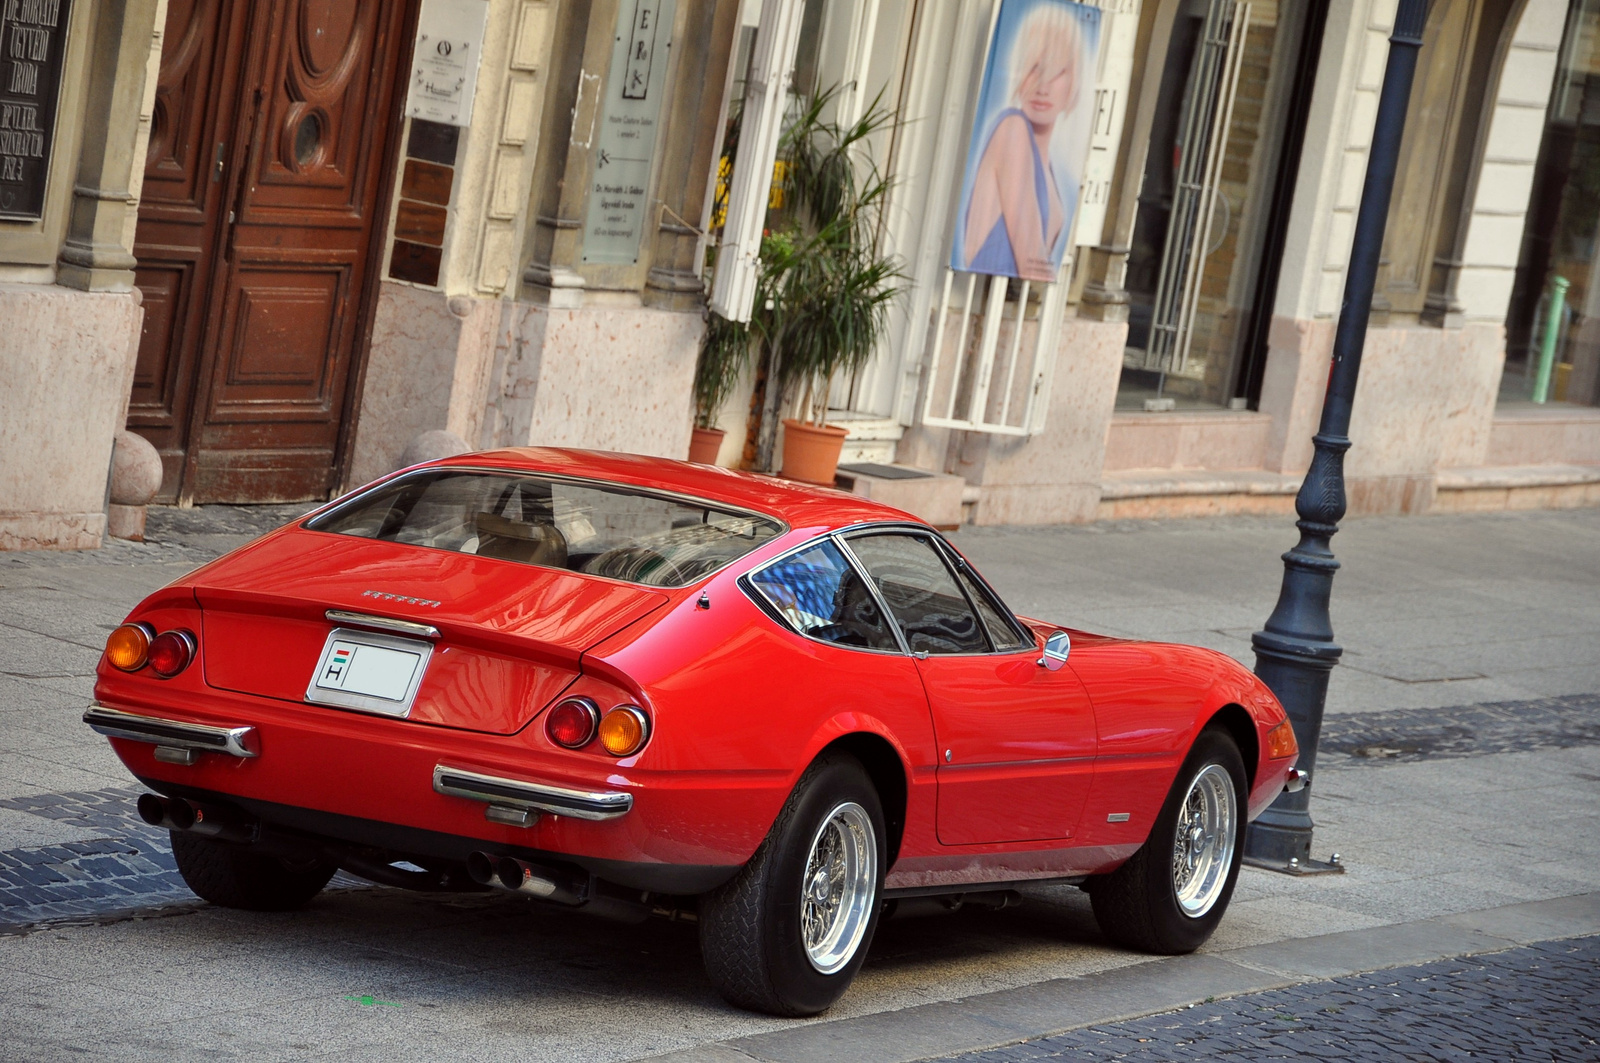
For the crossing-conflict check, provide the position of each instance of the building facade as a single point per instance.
(282, 241)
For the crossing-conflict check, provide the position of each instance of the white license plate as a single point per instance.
(369, 672)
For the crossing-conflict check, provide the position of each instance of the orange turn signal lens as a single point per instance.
(624, 731)
(1281, 743)
(129, 647)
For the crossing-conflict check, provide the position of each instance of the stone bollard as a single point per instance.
(135, 479)
(430, 446)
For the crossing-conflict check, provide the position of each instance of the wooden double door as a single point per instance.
(264, 200)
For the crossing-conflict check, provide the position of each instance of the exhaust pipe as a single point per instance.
(519, 876)
(209, 821)
(556, 887)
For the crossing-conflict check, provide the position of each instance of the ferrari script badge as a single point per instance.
(387, 597)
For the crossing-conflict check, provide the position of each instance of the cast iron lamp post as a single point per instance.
(1296, 651)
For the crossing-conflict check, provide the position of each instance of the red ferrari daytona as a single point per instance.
(628, 686)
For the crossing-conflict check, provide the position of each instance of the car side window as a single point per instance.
(1002, 632)
(818, 593)
(921, 594)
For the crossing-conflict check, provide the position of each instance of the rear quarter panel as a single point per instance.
(740, 706)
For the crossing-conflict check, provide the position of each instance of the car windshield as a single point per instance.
(583, 526)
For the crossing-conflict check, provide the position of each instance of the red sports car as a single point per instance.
(631, 686)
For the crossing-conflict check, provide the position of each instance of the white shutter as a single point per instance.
(733, 291)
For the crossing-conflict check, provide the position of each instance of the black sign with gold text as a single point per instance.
(32, 44)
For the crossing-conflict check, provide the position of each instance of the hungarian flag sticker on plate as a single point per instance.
(369, 672)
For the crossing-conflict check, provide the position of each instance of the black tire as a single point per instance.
(751, 934)
(1137, 905)
(233, 877)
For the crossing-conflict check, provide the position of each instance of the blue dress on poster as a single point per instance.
(996, 256)
(1040, 68)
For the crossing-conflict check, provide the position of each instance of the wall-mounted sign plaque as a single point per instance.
(444, 64)
(625, 142)
(33, 39)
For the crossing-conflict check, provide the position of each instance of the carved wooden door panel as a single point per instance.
(276, 368)
(263, 200)
(180, 217)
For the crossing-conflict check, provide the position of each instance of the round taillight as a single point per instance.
(129, 646)
(170, 653)
(624, 730)
(572, 723)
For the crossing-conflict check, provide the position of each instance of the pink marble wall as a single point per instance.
(1053, 477)
(1553, 434)
(66, 360)
(1298, 356)
(1209, 439)
(1425, 399)
(603, 377)
(427, 369)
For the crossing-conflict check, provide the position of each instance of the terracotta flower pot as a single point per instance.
(811, 452)
(704, 445)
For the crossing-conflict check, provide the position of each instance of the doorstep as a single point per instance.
(933, 496)
(870, 440)
(1502, 487)
(1141, 494)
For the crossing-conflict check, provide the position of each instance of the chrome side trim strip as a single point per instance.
(518, 793)
(382, 623)
(240, 741)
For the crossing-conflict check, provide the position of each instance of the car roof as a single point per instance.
(796, 504)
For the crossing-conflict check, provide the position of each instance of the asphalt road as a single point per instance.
(1460, 773)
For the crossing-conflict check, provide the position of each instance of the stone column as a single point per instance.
(693, 132)
(97, 254)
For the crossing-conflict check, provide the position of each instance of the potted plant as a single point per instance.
(822, 296)
(831, 284)
(724, 351)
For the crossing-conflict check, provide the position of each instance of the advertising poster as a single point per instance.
(1030, 141)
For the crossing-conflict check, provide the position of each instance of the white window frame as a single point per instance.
(738, 268)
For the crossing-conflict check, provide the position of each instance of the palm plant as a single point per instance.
(823, 295)
(724, 353)
(832, 286)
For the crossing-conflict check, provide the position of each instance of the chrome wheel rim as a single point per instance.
(836, 891)
(1202, 849)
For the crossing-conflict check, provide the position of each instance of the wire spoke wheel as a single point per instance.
(1202, 845)
(838, 887)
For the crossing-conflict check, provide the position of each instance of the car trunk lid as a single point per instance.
(510, 635)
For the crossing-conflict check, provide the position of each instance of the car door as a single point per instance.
(1016, 741)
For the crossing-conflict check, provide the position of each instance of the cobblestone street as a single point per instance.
(1532, 1003)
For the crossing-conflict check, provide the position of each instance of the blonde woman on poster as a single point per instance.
(1025, 165)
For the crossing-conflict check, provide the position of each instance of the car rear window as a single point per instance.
(602, 529)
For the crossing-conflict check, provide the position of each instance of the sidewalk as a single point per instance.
(1445, 794)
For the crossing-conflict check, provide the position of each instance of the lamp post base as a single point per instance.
(1297, 867)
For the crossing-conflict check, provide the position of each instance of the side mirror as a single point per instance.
(1056, 648)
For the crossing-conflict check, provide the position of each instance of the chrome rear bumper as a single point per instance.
(518, 794)
(189, 739)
